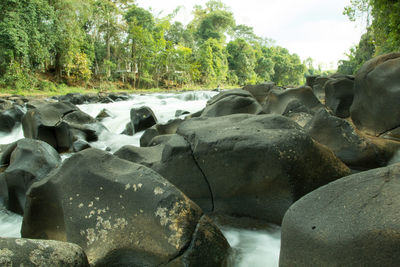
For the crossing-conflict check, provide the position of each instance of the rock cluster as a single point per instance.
(313, 159)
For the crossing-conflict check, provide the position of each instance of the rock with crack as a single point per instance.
(119, 212)
(29, 252)
(174, 160)
(278, 100)
(26, 161)
(375, 108)
(353, 221)
(60, 125)
(232, 102)
(258, 165)
(355, 150)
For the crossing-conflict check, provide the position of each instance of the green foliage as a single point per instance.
(115, 41)
(383, 34)
(77, 69)
(364, 51)
(17, 77)
(242, 61)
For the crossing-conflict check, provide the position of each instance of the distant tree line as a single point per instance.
(81, 41)
(382, 19)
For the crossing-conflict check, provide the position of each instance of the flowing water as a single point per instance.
(256, 248)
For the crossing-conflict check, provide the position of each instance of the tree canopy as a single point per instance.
(382, 35)
(85, 41)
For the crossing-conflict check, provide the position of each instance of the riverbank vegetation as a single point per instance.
(51, 45)
(382, 20)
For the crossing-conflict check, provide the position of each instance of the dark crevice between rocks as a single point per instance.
(387, 131)
(189, 244)
(202, 173)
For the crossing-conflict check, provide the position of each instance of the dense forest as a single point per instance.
(382, 19)
(47, 43)
(86, 42)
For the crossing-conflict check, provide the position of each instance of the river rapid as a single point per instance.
(256, 248)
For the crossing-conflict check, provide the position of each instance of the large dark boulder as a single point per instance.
(74, 98)
(120, 213)
(232, 102)
(353, 221)
(355, 150)
(174, 160)
(10, 118)
(159, 129)
(339, 94)
(278, 100)
(258, 165)
(141, 119)
(26, 161)
(375, 108)
(260, 91)
(30, 252)
(60, 124)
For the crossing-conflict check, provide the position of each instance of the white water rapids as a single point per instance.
(256, 248)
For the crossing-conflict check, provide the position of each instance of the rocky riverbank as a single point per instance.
(314, 159)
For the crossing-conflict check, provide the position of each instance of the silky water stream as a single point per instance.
(256, 248)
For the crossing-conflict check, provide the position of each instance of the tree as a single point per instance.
(364, 51)
(242, 61)
(385, 21)
(26, 34)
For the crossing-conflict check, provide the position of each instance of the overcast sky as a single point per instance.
(309, 28)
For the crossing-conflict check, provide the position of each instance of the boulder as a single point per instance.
(147, 136)
(60, 125)
(104, 113)
(339, 94)
(74, 98)
(278, 100)
(142, 118)
(174, 160)
(375, 108)
(10, 118)
(260, 91)
(120, 213)
(231, 102)
(159, 129)
(5, 104)
(258, 165)
(353, 149)
(26, 161)
(30, 252)
(353, 221)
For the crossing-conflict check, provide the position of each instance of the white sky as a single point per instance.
(309, 28)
